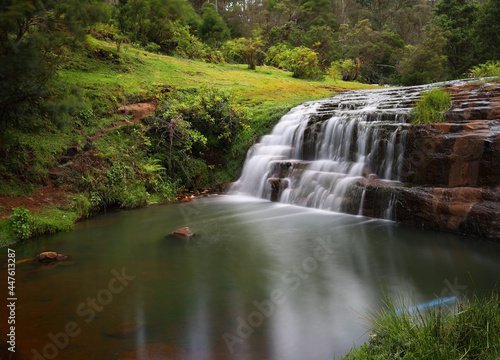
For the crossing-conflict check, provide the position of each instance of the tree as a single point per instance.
(486, 32)
(457, 17)
(33, 34)
(371, 49)
(212, 29)
(424, 63)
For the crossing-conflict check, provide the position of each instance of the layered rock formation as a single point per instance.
(356, 153)
(451, 171)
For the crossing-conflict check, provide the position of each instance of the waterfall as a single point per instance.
(320, 149)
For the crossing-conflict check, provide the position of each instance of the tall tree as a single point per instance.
(457, 18)
(212, 29)
(424, 63)
(33, 34)
(487, 32)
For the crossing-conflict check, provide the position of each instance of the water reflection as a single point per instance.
(257, 281)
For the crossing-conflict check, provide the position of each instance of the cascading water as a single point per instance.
(320, 148)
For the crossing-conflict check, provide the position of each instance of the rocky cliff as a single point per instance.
(451, 171)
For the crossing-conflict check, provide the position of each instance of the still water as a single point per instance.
(259, 280)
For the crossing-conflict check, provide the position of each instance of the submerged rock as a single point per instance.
(124, 330)
(50, 256)
(185, 232)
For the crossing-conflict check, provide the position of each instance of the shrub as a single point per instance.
(489, 68)
(21, 222)
(135, 197)
(347, 70)
(191, 125)
(152, 47)
(303, 62)
(276, 56)
(431, 107)
(248, 50)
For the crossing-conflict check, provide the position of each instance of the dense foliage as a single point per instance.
(192, 133)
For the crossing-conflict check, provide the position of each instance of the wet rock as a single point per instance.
(277, 187)
(158, 351)
(183, 232)
(124, 330)
(50, 256)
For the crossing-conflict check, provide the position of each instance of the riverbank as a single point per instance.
(471, 330)
(40, 164)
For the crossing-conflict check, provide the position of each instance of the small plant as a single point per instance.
(489, 68)
(21, 222)
(431, 107)
(152, 47)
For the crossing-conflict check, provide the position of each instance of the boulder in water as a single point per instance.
(184, 232)
(50, 256)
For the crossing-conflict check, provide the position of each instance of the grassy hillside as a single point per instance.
(97, 159)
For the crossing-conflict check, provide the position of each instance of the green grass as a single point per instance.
(105, 79)
(431, 107)
(140, 73)
(471, 331)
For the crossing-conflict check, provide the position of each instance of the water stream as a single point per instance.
(319, 148)
(259, 279)
(320, 270)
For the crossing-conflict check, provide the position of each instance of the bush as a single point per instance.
(137, 197)
(347, 70)
(195, 125)
(152, 47)
(276, 56)
(21, 222)
(248, 50)
(431, 107)
(303, 62)
(490, 68)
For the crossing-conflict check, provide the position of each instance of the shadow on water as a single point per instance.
(257, 281)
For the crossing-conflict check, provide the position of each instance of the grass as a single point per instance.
(140, 72)
(431, 107)
(106, 79)
(471, 331)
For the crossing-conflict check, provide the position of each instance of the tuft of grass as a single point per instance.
(52, 220)
(471, 331)
(431, 107)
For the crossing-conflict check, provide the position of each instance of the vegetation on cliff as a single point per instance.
(430, 107)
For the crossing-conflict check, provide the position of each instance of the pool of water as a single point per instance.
(258, 280)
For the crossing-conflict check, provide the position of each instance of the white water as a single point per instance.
(320, 148)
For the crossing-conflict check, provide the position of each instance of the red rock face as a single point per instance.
(451, 170)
